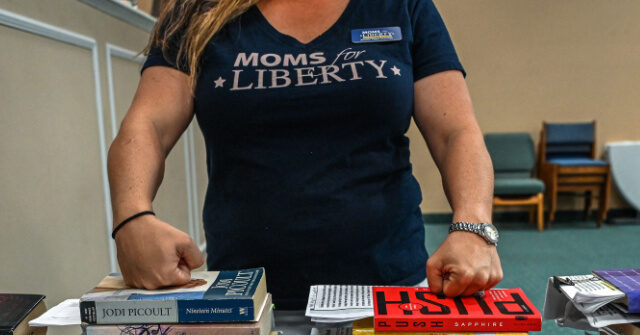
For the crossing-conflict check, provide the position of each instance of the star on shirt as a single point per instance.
(395, 70)
(219, 82)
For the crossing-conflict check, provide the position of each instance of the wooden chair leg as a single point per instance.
(603, 201)
(540, 208)
(587, 205)
(553, 198)
(532, 214)
(601, 210)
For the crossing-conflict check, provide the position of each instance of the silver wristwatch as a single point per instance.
(488, 231)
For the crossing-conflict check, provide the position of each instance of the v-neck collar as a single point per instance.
(292, 41)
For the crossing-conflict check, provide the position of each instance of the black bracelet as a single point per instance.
(113, 233)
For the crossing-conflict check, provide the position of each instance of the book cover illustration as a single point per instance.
(210, 296)
(403, 309)
(262, 327)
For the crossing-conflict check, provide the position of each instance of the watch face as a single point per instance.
(491, 232)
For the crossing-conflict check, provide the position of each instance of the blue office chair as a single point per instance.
(567, 161)
(513, 160)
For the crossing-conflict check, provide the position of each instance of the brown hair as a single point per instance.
(186, 26)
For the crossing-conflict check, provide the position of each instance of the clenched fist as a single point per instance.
(463, 264)
(154, 254)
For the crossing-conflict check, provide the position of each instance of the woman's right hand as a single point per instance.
(151, 253)
(154, 254)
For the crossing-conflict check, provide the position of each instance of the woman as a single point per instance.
(304, 105)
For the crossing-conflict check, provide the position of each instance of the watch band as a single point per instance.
(486, 230)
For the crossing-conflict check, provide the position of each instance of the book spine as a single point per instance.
(166, 311)
(167, 330)
(231, 310)
(477, 324)
(88, 312)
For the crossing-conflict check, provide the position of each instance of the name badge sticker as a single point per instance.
(375, 35)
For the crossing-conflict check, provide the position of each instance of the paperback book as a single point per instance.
(365, 327)
(626, 280)
(16, 310)
(210, 296)
(417, 309)
(261, 327)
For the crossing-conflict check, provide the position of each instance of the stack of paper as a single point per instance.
(589, 292)
(586, 302)
(331, 331)
(339, 303)
(66, 313)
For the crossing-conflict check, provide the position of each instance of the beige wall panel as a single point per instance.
(54, 237)
(126, 74)
(52, 208)
(83, 19)
(534, 61)
(145, 5)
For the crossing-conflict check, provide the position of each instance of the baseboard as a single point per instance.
(615, 215)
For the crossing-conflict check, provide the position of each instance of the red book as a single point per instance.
(417, 309)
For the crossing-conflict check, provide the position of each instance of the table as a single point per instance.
(292, 322)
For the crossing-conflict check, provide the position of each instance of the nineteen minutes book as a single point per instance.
(261, 327)
(418, 309)
(210, 296)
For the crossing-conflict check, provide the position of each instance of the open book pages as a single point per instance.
(339, 303)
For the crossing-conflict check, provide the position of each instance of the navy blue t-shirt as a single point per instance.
(308, 162)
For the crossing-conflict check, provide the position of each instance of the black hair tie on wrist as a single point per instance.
(127, 220)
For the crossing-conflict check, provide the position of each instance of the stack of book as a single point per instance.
(392, 310)
(213, 302)
(604, 300)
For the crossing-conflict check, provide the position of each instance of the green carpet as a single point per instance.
(530, 257)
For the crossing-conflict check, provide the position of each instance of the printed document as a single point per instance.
(339, 303)
(584, 305)
(589, 292)
(331, 331)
